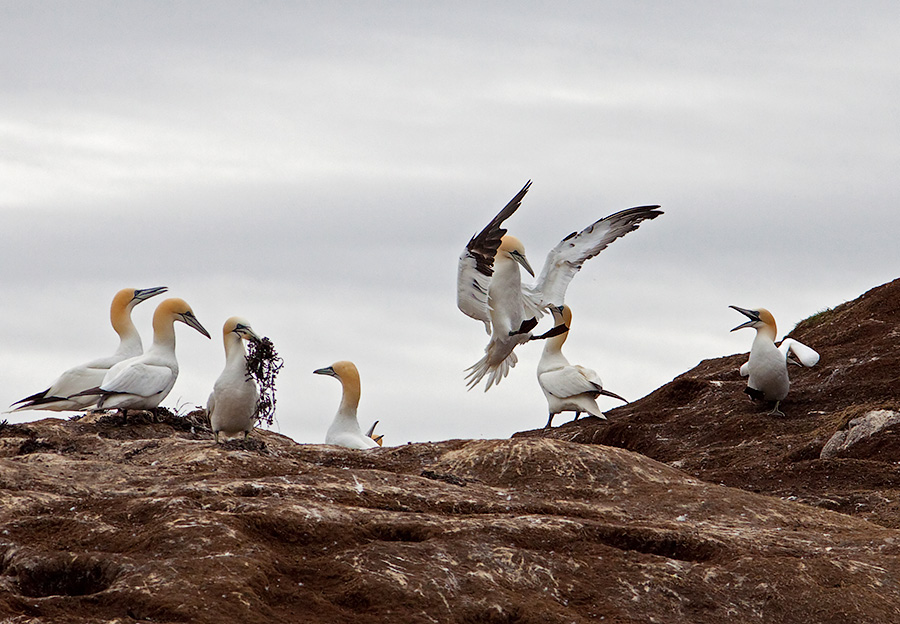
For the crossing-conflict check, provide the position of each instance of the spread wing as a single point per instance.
(802, 354)
(570, 381)
(567, 258)
(476, 263)
(138, 378)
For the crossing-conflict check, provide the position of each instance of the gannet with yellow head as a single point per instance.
(767, 367)
(58, 397)
(344, 430)
(142, 382)
(489, 287)
(568, 387)
(232, 403)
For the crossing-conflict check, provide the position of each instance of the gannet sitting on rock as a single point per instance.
(489, 287)
(379, 439)
(142, 382)
(568, 387)
(232, 403)
(344, 430)
(767, 367)
(58, 397)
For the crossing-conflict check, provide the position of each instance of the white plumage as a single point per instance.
(489, 287)
(766, 369)
(232, 403)
(59, 396)
(344, 429)
(568, 387)
(142, 382)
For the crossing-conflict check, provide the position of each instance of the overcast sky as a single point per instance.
(317, 167)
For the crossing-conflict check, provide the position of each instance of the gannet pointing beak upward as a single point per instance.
(568, 387)
(489, 287)
(58, 397)
(767, 367)
(232, 403)
(344, 430)
(142, 382)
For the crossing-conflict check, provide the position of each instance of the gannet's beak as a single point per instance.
(521, 259)
(189, 319)
(753, 315)
(328, 370)
(245, 331)
(142, 294)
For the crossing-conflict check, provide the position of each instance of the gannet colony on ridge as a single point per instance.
(489, 289)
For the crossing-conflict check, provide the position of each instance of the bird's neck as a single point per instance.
(129, 338)
(234, 349)
(349, 399)
(163, 332)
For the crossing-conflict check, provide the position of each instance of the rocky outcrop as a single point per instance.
(689, 506)
(155, 523)
(856, 438)
(703, 423)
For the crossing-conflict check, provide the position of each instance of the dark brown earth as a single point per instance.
(704, 424)
(151, 522)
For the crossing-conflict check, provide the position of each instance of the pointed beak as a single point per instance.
(753, 315)
(522, 260)
(245, 331)
(328, 370)
(142, 294)
(191, 320)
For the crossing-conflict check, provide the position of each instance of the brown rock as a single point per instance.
(99, 525)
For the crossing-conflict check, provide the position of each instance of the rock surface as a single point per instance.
(859, 431)
(151, 522)
(704, 424)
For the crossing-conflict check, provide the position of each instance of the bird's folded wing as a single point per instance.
(141, 379)
(566, 382)
(805, 355)
(566, 259)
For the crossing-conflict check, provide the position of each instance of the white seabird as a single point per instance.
(767, 367)
(58, 397)
(568, 387)
(489, 287)
(344, 430)
(379, 439)
(142, 382)
(232, 402)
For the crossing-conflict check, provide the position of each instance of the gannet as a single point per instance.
(568, 387)
(142, 382)
(344, 430)
(379, 439)
(767, 366)
(58, 397)
(489, 287)
(232, 402)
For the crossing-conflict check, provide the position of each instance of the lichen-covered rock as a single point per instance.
(859, 430)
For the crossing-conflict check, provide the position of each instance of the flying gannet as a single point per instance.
(58, 397)
(232, 402)
(489, 287)
(568, 387)
(142, 382)
(767, 366)
(344, 430)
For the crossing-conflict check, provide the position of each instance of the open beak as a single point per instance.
(142, 294)
(753, 315)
